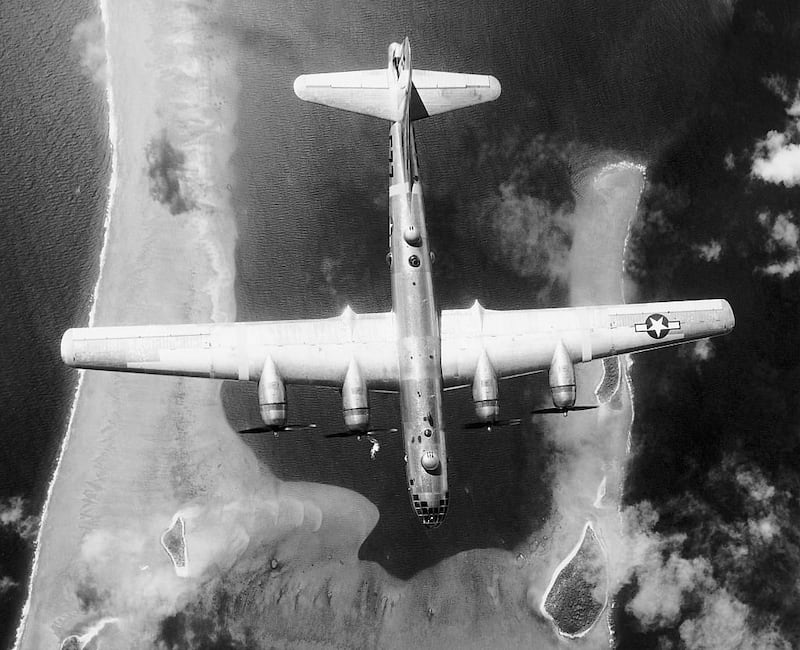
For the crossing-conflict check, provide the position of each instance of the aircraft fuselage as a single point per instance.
(417, 323)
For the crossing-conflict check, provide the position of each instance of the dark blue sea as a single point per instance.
(679, 84)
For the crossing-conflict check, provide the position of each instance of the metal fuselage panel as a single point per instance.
(418, 337)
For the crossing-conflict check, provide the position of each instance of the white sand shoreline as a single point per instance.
(110, 194)
(217, 288)
(142, 450)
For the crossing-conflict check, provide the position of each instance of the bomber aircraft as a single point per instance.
(415, 349)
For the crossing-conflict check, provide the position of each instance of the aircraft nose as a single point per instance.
(433, 521)
(431, 508)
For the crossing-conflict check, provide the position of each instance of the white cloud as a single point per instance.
(776, 158)
(700, 351)
(758, 488)
(729, 161)
(781, 87)
(674, 590)
(703, 350)
(88, 37)
(711, 251)
(723, 624)
(784, 270)
(764, 529)
(7, 584)
(12, 515)
(785, 240)
(663, 587)
(785, 232)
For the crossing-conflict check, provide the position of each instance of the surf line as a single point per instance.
(626, 363)
(112, 188)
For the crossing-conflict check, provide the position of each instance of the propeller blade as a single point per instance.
(280, 429)
(513, 422)
(553, 409)
(351, 434)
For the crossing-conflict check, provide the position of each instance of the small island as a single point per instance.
(174, 542)
(579, 592)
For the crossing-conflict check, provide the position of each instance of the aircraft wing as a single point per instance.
(524, 341)
(316, 352)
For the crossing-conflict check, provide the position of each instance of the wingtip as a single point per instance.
(300, 86)
(68, 347)
(494, 87)
(730, 318)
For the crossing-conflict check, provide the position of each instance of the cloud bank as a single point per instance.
(776, 158)
(784, 242)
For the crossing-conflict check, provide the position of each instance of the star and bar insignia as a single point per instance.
(658, 326)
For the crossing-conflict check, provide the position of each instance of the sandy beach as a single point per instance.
(140, 448)
(593, 446)
(145, 451)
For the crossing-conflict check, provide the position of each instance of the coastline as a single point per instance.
(595, 446)
(144, 452)
(111, 192)
(141, 253)
(477, 596)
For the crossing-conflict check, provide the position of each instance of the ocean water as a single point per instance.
(312, 239)
(311, 211)
(54, 162)
(312, 220)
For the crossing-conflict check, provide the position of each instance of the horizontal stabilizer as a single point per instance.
(440, 92)
(360, 91)
(373, 92)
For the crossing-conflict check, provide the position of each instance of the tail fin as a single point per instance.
(387, 95)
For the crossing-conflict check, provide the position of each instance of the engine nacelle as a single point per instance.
(355, 400)
(562, 379)
(485, 390)
(271, 395)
